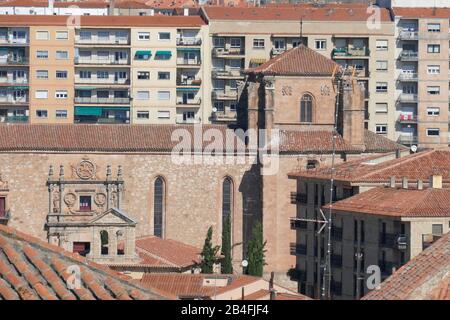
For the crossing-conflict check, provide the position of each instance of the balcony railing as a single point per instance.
(222, 94)
(408, 77)
(102, 100)
(102, 41)
(11, 80)
(102, 120)
(276, 51)
(408, 35)
(15, 61)
(228, 51)
(224, 73)
(79, 60)
(189, 62)
(4, 217)
(407, 139)
(407, 118)
(102, 81)
(228, 115)
(298, 224)
(351, 52)
(189, 82)
(181, 101)
(14, 119)
(12, 100)
(189, 41)
(181, 120)
(408, 97)
(14, 41)
(298, 249)
(407, 55)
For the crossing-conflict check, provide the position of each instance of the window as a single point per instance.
(82, 248)
(62, 35)
(306, 108)
(434, 48)
(85, 35)
(235, 42)
(219, 105)
(41, 35)
(433, 132)
(143, 95)
(188, 115)
(233, 85)
(218, 84)
(227, 203)
(122, 36)
(433, 90)
(104, 239)
(143, 75)
(279, 44)
(61, 74)
(143, 36)
(42, 54)
(41, 94)
(42, 74)
(158, 208)
(163, 114)
(164, 35)
(143, 115)
(382, 87)
(434, 69)
(233, 106)
(381, 128)
(219, 42)
(102, 74)
(382, 45)
(61, 94)
(434, 27)
(437, 229)
(321, 44)
(62, 55)
(431, 111)
(382, 65)
(61, 114)
(85, 74)
(103, 36)
(258, 43)
(163, 75)
(381, 108)
(41, 113)
(163, 95)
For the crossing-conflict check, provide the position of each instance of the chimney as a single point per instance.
(419, 184)
(405, 183)
(392, 182)
(436, 182)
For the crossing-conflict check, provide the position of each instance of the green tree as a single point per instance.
(256, 252)
(227, 265)
(208, 254)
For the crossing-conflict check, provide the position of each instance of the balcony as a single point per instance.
(180, 119)
(189, 41)
(393, 241)
(22, 61)
(299, 198)
(92, 100)
(298, 249)
(4, 217)
(9, 40)
(224, 116)
(188, 102)
(408, 97)
(409, 35)
(407, 139)
(228, 52)
(189, 62)
(298, 224)
(183, 81)
(102, 120)
(10, 80)
(104, 81)
(102, 41)
(14, 119)
(408, 77)
(227, 73)
(277, 51)
(407, 118)
(224, 95)
(339, 53)
(89, 61)
(407, 55)
(10, 100)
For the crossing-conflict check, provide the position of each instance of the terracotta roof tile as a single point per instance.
(398, 202)
(300, 60)
(307, 13)
(426, 276)
(31, 269)
(428, 12)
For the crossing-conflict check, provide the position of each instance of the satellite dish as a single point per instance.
(214, 109)
(244, 263)
(414, 148)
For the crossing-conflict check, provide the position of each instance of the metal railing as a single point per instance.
(14, 119)
(407, 139)
(227, 73)
(102, 100)
(407, 55)
(181, 101)
(222, 94)
(189, 82)
(351, 52)
(10, 99)
(10, 80)
(79, 60)
(180, 120)
(110, 40)
(408, 77)
(101, 81)
(4, 217)
(228, 51)
(14, 61)
(407, 118)
(408, 97)
(189, 41)
(408, 35)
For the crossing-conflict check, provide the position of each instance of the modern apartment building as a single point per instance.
(102, 69)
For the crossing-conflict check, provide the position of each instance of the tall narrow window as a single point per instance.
(226, 199)
(158, 210)
(104, 239)
(306, 108)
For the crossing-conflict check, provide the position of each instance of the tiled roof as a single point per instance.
(420, 165)
(410, 13)
(265, 295)
(157, 4)
(398, 202)
(31, 269)
(81, 4)
(191, 285)
(103, 21)
(301, 61)
(307, 13)
(377, 143)
(24, 3)
(426, 276)
(155, 251)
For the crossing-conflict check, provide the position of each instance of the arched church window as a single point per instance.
(158, 209)
(306, 108)
(226, 198)
(104, 242)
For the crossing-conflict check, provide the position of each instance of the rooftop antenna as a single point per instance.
(301, 31)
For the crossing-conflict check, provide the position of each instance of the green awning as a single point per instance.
(163, 53)
(18, 87)
(117, 108)
(143, 53)
(85, 88)
(187, 89)
(88, 111)
(189, 49)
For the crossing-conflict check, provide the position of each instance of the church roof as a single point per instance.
(298, 61)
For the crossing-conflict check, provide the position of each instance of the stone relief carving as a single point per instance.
(70, 199)
(3, 184)
(100, 199)
(286, 90)
(325, 90)
(56, 201)
(114, 198)
(86, 170)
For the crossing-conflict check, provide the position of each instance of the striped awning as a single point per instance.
(143, 53)
(257, 60)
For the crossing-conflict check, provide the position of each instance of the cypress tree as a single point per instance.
(227, 266)
(256, 251)
(208, 254)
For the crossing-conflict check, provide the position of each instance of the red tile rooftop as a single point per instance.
(398, 202)
(424, 277)
(31, 269)
(417, 13)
